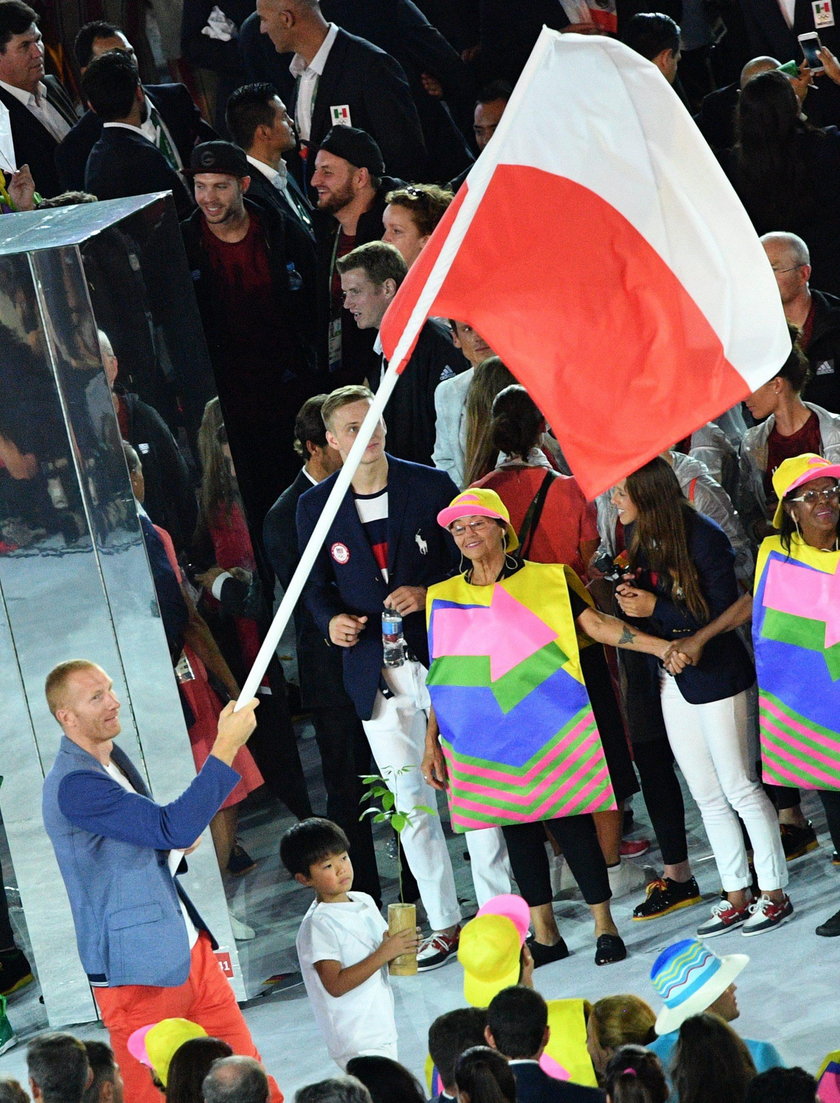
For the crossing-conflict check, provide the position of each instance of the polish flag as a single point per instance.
(599, 249)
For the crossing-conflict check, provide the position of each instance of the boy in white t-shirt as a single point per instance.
(343, 946)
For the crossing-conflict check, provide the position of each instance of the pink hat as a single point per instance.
(797, 471)
(511, 907)
(479, 502)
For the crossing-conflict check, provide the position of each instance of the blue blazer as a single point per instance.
(346, 578)
(112, 848)
(725, 667)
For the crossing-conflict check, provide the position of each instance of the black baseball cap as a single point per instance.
(355, 146)
(222, 157)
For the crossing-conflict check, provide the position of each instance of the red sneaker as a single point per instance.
(634, 848)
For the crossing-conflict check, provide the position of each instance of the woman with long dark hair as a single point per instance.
(483, 1075)
(711, 1062)
(786, 172)
(680, 578)
(190, 1065)
(634, 1075)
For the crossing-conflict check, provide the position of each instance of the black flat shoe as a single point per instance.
(831, 927)
(609, 948)
(544, 955)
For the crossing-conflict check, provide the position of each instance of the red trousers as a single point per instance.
(205, 998)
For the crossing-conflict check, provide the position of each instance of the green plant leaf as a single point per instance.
(398, 821)
(380, 817)
(369, 812)
(370, 779)
(387, 802)
(424, 808)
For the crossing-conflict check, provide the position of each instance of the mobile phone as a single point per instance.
(810, 44)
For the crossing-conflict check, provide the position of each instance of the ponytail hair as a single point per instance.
(485, 1076)
(634, 1075)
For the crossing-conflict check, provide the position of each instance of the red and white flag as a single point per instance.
(599, 249)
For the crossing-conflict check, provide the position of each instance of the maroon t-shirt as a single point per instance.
(779, 448)
(254, 339)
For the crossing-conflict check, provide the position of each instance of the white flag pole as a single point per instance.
(478, 179)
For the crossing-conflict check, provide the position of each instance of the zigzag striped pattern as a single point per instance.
(795, 750)
(681, 970)
(566, 777)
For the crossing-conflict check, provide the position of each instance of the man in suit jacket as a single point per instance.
(38, 110)
(123, 161)
(383, 549)
(345, 754)
(716, 117)
(146, 950)
(400, 29)
(170, 118)
(351, 187)
(517, 1026)
(261, 126)
(348, 81)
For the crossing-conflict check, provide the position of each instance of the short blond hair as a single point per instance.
(344, 396)
(57, 680)
(623, 1020)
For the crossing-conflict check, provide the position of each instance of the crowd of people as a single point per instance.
(554, 656)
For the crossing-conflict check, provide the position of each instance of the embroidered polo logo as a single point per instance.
(340, 553)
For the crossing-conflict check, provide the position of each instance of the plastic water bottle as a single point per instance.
(393, 640)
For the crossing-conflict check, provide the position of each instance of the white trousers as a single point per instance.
(397, 734)
(710, 745)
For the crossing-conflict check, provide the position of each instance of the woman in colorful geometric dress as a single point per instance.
(796, 643)
(511, 733)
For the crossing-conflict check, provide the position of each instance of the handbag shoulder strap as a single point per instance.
(533, 514)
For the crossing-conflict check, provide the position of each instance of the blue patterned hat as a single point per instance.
(689, 977)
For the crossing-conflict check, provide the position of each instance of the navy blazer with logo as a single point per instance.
(346, 578)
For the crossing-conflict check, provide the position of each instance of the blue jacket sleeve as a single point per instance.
(96, 803)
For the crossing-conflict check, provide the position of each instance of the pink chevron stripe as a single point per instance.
(522, 779)
(582, 794)
(493, 816)
(808, 757)
(817, 779)
(557, 797)
(513, 781)
(786, 718)
(777, 775)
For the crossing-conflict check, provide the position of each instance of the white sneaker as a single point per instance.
(241, 931)
(625, 878)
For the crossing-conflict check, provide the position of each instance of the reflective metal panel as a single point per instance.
(74, 575)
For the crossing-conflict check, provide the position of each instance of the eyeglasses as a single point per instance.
(829, 494)
(473, 526)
